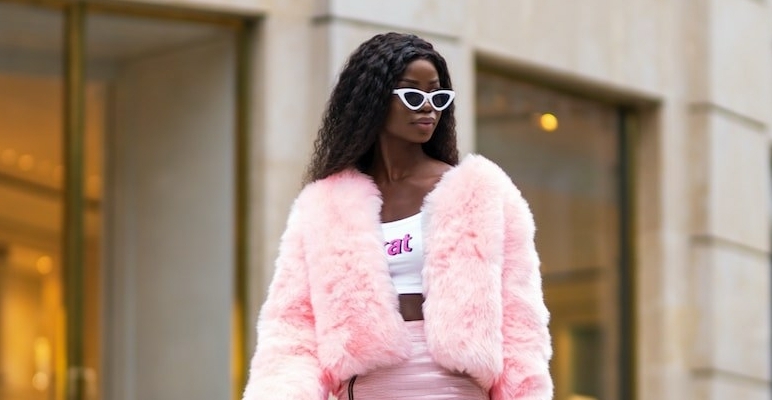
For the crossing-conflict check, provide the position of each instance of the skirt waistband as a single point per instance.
(417, 378)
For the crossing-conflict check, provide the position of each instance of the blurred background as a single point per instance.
(150, 149)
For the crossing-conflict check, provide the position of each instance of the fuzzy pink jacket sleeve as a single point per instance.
(285, 364)
(527, 346)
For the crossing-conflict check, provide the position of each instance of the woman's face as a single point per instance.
(408, 125)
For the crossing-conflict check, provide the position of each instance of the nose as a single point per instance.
(426, 107)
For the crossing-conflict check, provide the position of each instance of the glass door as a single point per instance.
(122, 202)
(32, 341)
(566, 155)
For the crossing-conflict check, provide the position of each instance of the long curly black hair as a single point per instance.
(359, 104)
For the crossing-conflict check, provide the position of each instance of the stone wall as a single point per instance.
(698, 72)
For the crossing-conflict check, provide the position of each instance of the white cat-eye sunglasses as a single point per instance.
(414, 99)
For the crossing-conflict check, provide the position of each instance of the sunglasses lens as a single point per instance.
(415, 99)
(440, 100)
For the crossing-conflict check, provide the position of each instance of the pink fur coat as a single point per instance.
(332, 310)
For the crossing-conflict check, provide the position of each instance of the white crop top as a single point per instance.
(404, 251)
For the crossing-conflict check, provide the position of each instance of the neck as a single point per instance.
(395, 160)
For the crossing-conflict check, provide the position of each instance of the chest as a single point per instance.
(403, 199)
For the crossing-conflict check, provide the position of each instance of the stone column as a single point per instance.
(728, 112)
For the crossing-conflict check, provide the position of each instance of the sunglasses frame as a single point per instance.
(427, 97)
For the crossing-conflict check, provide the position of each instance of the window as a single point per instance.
(564, 153)
(163, 182)
(31, 182)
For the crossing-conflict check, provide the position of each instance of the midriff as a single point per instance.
(411, 306)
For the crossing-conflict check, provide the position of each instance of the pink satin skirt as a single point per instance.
(417, 378)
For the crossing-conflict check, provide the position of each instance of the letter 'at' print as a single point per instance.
(397, 246)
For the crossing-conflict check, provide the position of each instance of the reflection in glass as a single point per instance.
(32, 333)
(158, 95)
(561, 151)
(31, 339)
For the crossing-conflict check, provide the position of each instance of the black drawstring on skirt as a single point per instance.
(351, 387)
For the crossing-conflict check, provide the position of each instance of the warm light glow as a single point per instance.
(8, 157)
(26, 163)
(40, 381)
(94, 184)
(580, 397)
(44, 167)
(42, 353)
(45, 264)
(548, 122)
(58, 173)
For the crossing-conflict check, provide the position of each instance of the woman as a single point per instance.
(402, 274)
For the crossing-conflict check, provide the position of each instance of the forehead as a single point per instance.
(420, 70)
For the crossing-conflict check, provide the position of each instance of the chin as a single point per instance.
(422, 139)
(423, 135)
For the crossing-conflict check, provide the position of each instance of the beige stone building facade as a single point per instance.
(150, 150)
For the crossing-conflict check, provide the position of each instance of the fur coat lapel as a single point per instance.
(358, 326)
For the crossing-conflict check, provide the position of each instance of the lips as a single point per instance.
(425, 121)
